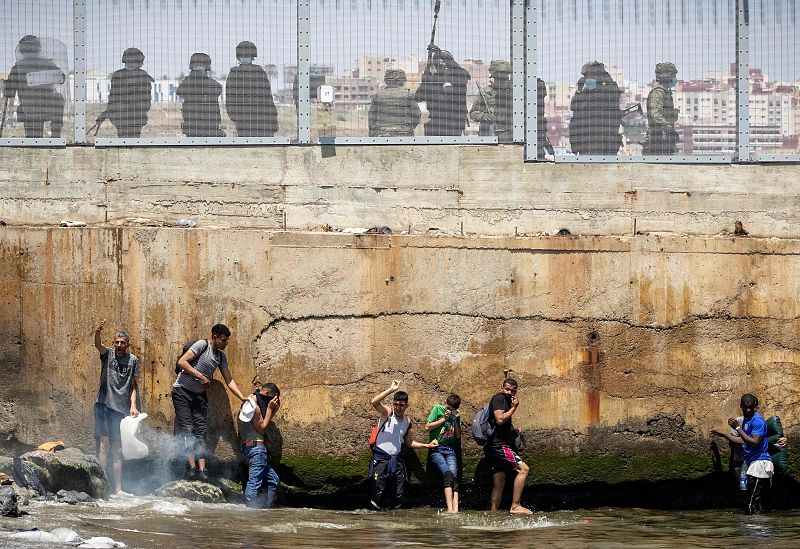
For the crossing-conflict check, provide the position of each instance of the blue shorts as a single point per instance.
(106, 422)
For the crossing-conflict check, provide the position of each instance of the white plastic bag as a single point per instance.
(132, 447)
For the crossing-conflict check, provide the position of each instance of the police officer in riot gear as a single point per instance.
(661, 113)
(200, 93)
(393, 112)
(129, 98)
(34, 78)
(494, 107)
(596, 116)
(444, 90)
(248, 96)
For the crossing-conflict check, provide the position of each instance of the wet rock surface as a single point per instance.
(191, 490)
(8, 502)
(68, 470)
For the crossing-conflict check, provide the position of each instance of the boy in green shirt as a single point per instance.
(444, 425)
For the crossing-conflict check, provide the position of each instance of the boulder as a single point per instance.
(68, 469)
(8, 502)
(232, 490)
(72, 497)
(191, 490)
(6, 465)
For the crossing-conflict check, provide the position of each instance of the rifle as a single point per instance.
(5, 111)
(490, 125)
(633, 109)
(98, 122)
(431, 46)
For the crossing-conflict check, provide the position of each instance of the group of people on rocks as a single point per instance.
(118, 396)
(757, 445)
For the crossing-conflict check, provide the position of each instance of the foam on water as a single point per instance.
(168, 507)
(494, 523)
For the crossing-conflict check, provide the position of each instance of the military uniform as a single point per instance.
(661, 114)
(200, 109)
(130, 95)
(38, 102)
(393, 112)
(445, 93)
(494, 107)
(248, 96)
(596, 116)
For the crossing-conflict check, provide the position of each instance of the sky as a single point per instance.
(697, 35)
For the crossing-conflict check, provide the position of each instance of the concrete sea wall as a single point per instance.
(628, 347)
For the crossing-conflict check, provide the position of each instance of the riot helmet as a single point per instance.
(200, 60)
(394, 78)
(30, 44)
(246, 49)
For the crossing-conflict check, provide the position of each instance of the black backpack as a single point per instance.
(186, 347)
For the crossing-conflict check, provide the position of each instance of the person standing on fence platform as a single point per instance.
(248, 96)
(129, 98)
(200, 93)
(596, 116)
(444, 90)
(393, 112)
(34, 78)
(661, 113)
(494, 106)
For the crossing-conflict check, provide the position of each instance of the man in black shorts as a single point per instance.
(500, 450)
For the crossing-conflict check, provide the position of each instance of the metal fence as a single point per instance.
(709, 81)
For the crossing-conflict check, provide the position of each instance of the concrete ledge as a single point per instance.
(456, 189)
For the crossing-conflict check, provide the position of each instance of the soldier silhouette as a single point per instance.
(34, 78)
(248, 96)
(129, 98)
(444, 89)
(494, 107)
(661, 113)
(200, 93)
(393, 112)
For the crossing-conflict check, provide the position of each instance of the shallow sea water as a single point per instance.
(176, 524)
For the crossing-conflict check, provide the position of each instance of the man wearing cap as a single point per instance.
(254, 418)
(129, 98)
(661, 113)
(200, 93)
(444, 90)
(393, 112)
(494, 107)
(34, 78)
(116, 398)
(248, 96)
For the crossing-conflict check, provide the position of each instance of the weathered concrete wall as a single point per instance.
(685, 325)
(482, 190)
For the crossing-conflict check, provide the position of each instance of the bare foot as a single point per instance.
(452, 510)
(520, 510)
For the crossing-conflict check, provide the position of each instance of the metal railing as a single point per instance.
(703, 81)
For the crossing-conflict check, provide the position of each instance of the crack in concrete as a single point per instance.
(688, 320)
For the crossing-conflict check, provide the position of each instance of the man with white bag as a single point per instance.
(116, 398)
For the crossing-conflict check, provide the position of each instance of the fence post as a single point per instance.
(79, 67)
(531, 68)
(742, 80)
(303, 71)
(518, 66)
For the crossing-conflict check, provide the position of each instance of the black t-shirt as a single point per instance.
(502, 433)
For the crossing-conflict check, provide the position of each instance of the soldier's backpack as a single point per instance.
(482, 428)
(186, 347)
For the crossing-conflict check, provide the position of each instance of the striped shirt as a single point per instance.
(206, 362)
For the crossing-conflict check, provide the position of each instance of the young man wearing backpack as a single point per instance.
(189, 398)
(499, 448)
(387, 470)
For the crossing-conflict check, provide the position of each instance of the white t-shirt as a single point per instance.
(390, 438)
